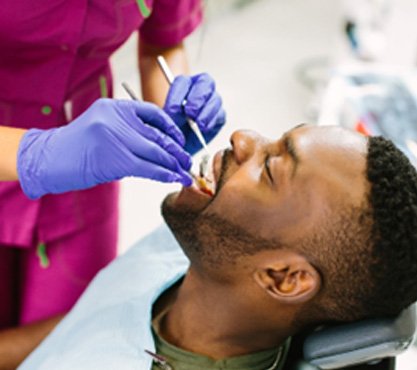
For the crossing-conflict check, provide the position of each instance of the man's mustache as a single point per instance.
(226, 158)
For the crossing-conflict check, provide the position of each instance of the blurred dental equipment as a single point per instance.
(204, 164)
(369, 84)
(382, 31)
(374, 101)
(366, 26)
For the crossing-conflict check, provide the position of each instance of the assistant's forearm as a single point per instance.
(17, 343)
(9, 145)
(154, 85)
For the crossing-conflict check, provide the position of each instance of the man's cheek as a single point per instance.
(263, 217)
(229, 197)
(237, 206)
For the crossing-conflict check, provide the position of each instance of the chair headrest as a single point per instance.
(334, 347)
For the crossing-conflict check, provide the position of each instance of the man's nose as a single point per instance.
(244, 144)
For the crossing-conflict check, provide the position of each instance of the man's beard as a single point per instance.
(193, 228)
(182, 223)
(208, 238)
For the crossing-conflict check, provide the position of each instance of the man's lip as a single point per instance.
(192, 198)
(217, 166)
(196, 191)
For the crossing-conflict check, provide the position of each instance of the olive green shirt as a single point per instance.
(180, 359)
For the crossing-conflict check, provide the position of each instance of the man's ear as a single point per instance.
(289, 278)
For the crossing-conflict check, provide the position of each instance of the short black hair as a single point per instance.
(393, 199)
(369, 267)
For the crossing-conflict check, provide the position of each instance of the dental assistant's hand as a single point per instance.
(203, 105)
(111, 140)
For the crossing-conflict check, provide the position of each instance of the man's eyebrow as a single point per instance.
(291, 150)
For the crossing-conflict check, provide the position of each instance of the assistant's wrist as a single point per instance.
(9, 142)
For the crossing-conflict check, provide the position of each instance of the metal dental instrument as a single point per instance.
(129, 91)
(204, 164)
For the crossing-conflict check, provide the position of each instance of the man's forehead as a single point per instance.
(334, 157)
(331, 137)
(325, 130)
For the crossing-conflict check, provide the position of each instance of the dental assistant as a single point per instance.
(54, 64)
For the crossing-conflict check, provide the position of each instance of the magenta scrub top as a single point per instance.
(54, 62)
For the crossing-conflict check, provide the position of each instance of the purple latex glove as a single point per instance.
(111, 140)
(203, 105)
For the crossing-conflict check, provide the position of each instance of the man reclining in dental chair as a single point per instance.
(318, 226)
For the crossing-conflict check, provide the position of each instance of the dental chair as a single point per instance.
(366, 345)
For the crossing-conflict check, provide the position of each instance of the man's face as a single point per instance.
(269, 190)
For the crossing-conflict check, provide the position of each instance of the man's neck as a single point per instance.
(207, 320)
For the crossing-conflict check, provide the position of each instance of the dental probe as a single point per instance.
(194, 127)
(129, 91)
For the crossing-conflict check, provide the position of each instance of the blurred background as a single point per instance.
(272, 61)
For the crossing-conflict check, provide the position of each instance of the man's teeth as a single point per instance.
(205, 185)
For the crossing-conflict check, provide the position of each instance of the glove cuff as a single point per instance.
(29, 162)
